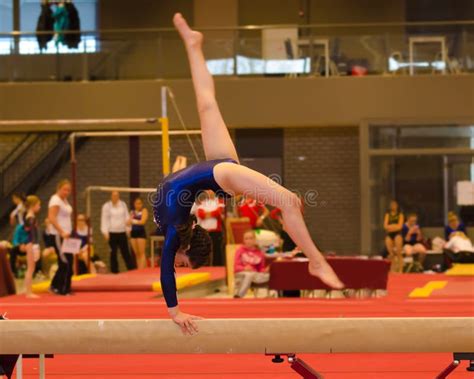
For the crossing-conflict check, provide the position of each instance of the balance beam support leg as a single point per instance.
(42, 368)
(19, 367)
(302, 368)
(448, 370)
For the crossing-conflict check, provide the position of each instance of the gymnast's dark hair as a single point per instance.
(198, 240)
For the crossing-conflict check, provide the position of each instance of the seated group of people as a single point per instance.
(404, 237)
(250, 261)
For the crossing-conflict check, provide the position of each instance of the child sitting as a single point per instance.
(249, 265)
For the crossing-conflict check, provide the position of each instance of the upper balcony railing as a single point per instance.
(310, 50)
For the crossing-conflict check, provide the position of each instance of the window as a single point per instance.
(6, 25)
(29, 13)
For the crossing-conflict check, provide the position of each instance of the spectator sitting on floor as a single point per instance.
(393, 223)
(413, 238)
(82, 232)
(454, 225)
(249, 265)
(15, 252)
(458, 241)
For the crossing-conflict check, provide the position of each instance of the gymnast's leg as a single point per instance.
(241, 180)
(215, 136)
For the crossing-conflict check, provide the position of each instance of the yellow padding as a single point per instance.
(43, 287)
(466, 269)
(82, 277)
(187, 280)
(427, 289)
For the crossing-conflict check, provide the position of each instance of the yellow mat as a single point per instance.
(465, 269)
(43, 287)
(187, 280)
(423, 292)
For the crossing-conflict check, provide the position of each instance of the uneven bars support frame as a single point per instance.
(165, 140)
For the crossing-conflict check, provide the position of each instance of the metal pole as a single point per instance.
(89, 228)
(75, 122)
(445, 186)
(74, 192)
(365, 189)
(165, 141)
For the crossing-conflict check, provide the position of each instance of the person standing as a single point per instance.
(255, 211)
(114, 221)
(60, 219)
(393, 224)
(209, 210)
(32, 205)
(17, 216)
(138, 219)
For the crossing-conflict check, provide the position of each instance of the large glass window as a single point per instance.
(422, 167)
(411, 137)
(30, 11)
(6, 25)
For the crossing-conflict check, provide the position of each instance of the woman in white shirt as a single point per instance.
(113, 226)
(60, 226)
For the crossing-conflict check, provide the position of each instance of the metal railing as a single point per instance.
(311, 50)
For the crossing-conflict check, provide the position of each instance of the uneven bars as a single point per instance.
(91, 121)
(133, 133)
(235, 336)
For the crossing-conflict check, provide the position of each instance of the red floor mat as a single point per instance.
(135, 280)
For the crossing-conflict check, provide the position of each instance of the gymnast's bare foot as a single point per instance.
(190, 37)
(32, 296)
(325, 272)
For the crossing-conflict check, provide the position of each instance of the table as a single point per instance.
(356, 273)
(7, 283)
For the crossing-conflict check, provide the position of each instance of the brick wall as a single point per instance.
(326, 160)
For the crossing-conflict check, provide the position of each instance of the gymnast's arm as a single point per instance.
(168, 283)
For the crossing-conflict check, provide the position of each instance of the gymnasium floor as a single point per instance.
(455, 299)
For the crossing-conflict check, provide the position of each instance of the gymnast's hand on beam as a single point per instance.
(185, 321)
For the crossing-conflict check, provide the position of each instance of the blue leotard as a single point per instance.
(172, 206)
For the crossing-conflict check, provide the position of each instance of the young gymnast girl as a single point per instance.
(187, 244)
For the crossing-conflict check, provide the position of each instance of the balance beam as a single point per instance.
(233, 336)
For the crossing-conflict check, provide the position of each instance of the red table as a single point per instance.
(7, 283)
(355, 273)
